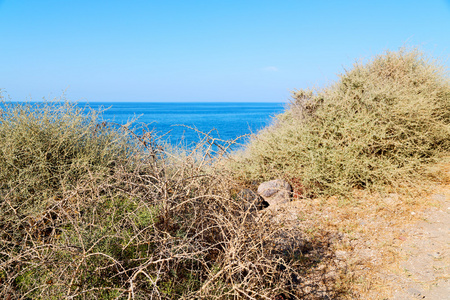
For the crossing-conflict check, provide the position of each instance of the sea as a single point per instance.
(186, 123)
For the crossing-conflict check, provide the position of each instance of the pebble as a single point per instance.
(415, 293)
(435, 255)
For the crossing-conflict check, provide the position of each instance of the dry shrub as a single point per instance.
(379, 125)
(90, 210)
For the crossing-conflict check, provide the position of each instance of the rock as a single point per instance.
(435, 255)
(415, 293)
(253, 201)
(275, 191)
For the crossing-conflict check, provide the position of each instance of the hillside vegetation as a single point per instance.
(377, 126)
(95, 210)
(90, 210)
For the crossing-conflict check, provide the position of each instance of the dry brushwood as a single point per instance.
(94, 211)
(378, 126)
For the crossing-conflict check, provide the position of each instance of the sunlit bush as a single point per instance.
(91, 210)
(378, 125)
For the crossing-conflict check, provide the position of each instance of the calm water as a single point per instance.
(229, 120)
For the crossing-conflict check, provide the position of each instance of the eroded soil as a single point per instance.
(424, 270)
(382, 246)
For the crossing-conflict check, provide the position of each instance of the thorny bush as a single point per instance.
(377, 127)
(90, 210)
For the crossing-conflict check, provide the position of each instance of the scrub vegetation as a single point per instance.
(376, 127)
(95, 210)
(89, 210)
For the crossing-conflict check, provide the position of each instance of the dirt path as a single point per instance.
(383, 247)
(424, 272)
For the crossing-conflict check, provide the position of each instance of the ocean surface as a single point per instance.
(223, 120)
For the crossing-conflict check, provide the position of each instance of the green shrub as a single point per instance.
(48, 148)
(377, 126)
(89, 210)
(57, 167)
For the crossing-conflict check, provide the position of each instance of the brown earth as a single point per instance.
(423, 272)
(377, 246)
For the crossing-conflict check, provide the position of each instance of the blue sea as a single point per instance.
(223, 120)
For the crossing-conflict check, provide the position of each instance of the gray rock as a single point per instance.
(275, 191)
(253, 201)
(435, 255)
(415, 293)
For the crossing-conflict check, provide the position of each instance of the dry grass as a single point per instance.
(376, 128)
(364, 231)
(361, 156)
(90, 210)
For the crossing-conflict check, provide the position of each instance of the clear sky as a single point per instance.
(206, 50)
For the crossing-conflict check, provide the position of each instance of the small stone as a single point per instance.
(275, 191)
(253, 201)
(415, 293)
(435, 255)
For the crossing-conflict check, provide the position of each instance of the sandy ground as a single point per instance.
(386, 247)
(424, 271)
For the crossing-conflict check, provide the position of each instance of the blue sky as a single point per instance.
(201, 50)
